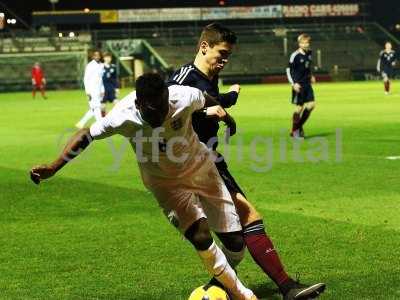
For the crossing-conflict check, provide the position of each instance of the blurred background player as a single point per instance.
(38, 80)
(300, 77)
(94, 88)
(386, 64)
(214, 48)
(110, 82)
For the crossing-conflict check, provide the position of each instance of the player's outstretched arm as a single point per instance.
(74, 147)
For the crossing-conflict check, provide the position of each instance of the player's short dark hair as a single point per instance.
(93, 51)
(215, 33)
(107, 54)
(150, 88)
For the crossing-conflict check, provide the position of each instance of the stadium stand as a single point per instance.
(263, 49)
(21, 50)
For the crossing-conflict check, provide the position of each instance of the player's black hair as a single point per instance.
(215, 33)
(150, 88)
(93, 51)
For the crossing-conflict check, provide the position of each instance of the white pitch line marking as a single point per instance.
(392, 157)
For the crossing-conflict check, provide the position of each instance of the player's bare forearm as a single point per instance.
(313, 79)
(78, 142)
(220, 113)
(216, 111)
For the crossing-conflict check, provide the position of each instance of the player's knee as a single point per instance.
(298, 109)
(310, 105)
(201, 240)
(233, 241)
(199, 235)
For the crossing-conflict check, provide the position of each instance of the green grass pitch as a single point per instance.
(94, 232)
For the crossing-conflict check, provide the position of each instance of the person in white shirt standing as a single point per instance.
(94, 88)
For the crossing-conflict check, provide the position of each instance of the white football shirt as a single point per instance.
(93, 79)
(170, 151)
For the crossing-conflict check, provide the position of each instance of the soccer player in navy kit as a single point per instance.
(385, 66)
(300, 77)
(110, 82)
(214, 48)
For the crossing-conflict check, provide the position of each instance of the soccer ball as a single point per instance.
(209, 292)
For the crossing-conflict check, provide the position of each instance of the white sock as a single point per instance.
(217, 265)
(234, 258)
(86, 118)
(97, 113)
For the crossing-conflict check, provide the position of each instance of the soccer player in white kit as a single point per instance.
(94, 88)
(174, 166)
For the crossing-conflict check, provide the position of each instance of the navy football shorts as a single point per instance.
(109, 95)
(387, 72)
(306, 95)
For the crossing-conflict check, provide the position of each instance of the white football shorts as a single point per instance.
(203, 194)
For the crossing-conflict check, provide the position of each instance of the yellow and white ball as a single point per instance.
(208, 292)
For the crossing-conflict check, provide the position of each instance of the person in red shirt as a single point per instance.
(38, 80)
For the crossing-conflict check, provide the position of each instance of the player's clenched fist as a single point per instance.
(216, 111)
(235, 88)
(41, 172)
(297, 87)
